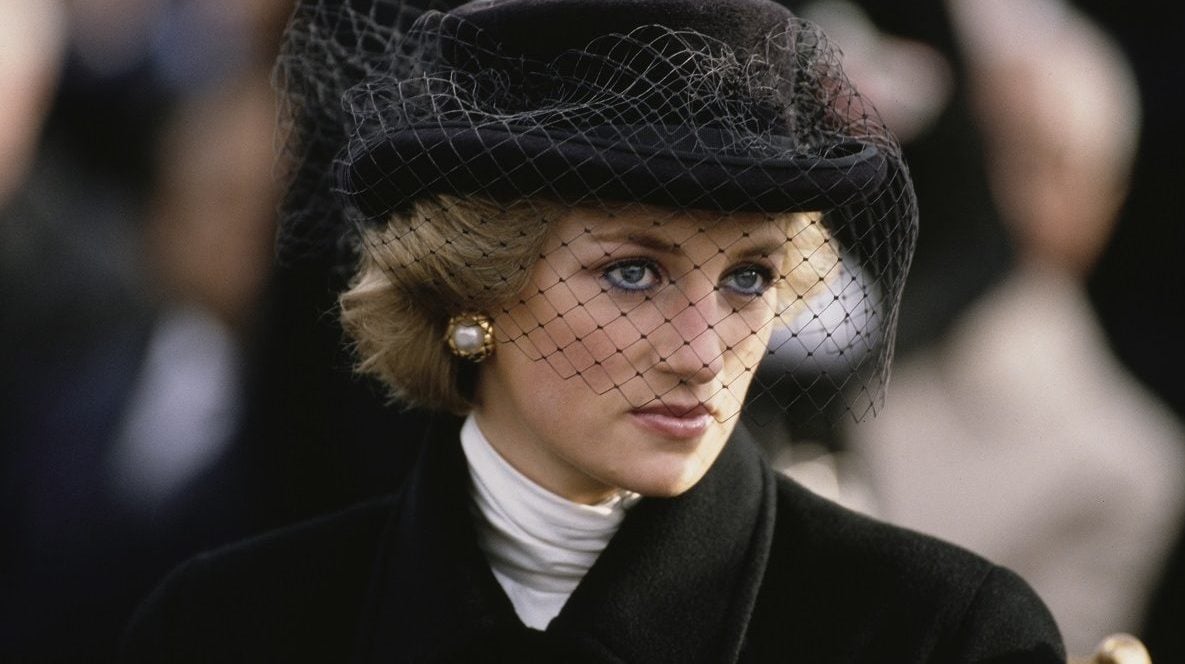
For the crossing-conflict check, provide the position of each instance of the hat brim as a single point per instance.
(636, 164)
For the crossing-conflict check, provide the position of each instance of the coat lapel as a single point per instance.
(679, 580)
(676, 584)
(432, 587)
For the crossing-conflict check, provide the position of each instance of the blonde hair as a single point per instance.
(450, 255)
(446, 256)
(811, 264)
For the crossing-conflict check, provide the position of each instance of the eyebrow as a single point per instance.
(643, 240)
(649, 241)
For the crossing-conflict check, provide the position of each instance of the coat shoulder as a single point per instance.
(824, 531)
(878, 592)
(303, 585)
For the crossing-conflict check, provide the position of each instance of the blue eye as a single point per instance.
(748, 280)
(633, 275)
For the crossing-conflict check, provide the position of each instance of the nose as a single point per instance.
(691, 347)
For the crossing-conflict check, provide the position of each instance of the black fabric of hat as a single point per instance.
(667, 132)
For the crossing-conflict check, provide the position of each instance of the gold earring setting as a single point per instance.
(470, 336)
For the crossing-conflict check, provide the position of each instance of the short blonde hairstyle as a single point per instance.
(444, 257)
(449, 255)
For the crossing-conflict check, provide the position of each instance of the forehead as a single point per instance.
(677, 227)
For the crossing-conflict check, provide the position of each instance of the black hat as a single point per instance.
(598, 100)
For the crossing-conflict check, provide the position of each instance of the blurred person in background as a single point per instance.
(207, 240)
(31, 43)
(908, 57)
(168, 388)
(136, 235)
(1016, 432)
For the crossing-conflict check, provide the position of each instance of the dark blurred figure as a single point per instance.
(115, 432)
(207, 242)
(120, 369)
(1137, 284)
(1137, 287)
(168, 388)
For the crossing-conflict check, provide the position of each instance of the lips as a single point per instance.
(676, 421)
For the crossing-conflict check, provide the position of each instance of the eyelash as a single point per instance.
(618, 283)
(658, 277)
(764, 273)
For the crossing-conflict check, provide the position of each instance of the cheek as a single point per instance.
(580, 331)
(755, 321)
(747, 346)
(746, 332)
(747, 354)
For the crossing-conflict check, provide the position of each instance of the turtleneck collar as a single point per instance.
(539, 545)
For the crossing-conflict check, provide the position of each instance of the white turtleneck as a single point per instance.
(539, 544)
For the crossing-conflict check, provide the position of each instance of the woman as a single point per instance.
(580, 224)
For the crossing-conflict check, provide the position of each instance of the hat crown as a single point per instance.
(542, 29)
(675, 66)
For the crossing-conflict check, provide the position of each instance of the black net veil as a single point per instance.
(643, 196)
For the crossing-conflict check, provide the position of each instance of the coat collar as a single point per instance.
(677, 583)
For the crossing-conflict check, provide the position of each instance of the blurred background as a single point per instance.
(167, 388)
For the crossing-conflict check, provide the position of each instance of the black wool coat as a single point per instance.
(745, 567)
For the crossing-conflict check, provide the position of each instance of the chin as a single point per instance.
(668, 491)
(668, 485)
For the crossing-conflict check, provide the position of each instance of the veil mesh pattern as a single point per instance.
(645, 161)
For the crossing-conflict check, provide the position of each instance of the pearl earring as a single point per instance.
(470, 336)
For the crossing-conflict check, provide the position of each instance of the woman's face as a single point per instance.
(624, 362)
